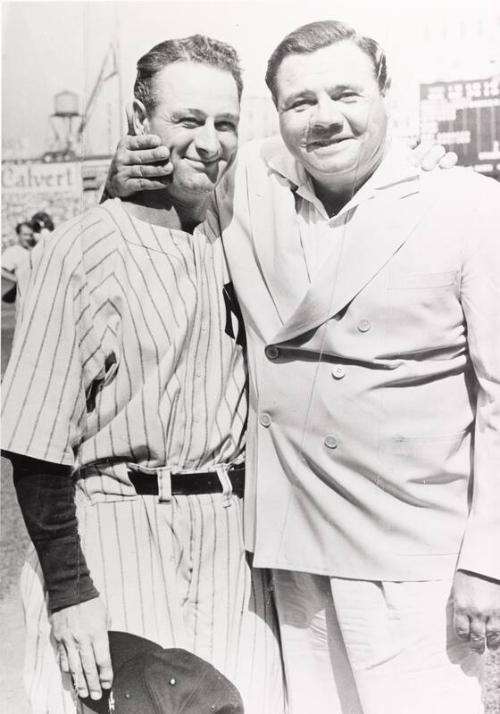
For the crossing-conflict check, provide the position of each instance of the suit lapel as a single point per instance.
(373, 233)
(277, 242)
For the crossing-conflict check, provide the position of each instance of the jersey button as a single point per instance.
(265, 419)
(338, 371)
(364, 325)
(272, 352)
(330, 442)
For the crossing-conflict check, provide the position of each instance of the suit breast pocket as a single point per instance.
(422, 314)
(399, 280)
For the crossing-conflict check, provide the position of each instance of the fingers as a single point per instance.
(144, 157)
(140, 178)
(63, 659)
(141, 163)
(148, 171)
(103, 661)
(89, 665)
(90, 672)
(76, 671)
(449, 160)
(81, 636)
(129, 186)
(132, 178)
(477, 635)
(493, 632)
(476, 604)
(432, 157)
(461, 624)
(480, 633)
(471, 629)
(135, 185)
(148, 142)
(419, 150)
(429, 156)
(139, 141)
(80, 662)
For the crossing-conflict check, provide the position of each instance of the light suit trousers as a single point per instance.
(368, 647)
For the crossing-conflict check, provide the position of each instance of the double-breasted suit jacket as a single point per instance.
(373, 441)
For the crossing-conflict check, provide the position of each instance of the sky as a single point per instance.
(53, 46)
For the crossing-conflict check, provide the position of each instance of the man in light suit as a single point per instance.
(371, 298)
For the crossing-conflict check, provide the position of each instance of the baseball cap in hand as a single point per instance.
(151, 680)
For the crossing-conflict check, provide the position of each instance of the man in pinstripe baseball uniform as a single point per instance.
(125, 410)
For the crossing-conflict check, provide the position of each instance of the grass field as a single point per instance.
(13, 542)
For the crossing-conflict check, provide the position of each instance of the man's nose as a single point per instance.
(207, 140)
(328, 114)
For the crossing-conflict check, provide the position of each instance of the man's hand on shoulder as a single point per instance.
(429, 157)
(81, 634)
(140, 163)
(477, 610)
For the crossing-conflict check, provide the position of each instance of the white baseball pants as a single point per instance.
(177, 574)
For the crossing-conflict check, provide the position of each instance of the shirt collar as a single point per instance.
(395, 171)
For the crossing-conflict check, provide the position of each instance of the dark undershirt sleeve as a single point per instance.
(46, 495)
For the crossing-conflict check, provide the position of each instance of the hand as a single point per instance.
(477, 610)
(81, 634)
(132, 168)
(428, 157)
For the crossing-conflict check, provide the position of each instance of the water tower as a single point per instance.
(66, 110)
(68, 136)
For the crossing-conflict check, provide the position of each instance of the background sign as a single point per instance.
(464, 116)
(64, 177)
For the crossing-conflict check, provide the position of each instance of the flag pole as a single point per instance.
(118, 65)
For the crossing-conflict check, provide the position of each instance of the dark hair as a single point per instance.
(41, 220)
(20, 225)
(317, 35)
(196, 48)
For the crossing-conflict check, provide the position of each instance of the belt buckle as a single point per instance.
(163, 478)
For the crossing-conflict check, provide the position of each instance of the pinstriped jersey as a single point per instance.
(122, 357)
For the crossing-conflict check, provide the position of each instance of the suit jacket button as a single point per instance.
(338, 371)
(330, 442)
(364, 325)
(272, 352)
(265, 419)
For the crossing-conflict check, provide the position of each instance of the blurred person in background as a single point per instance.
(15, 256)
(42, 224)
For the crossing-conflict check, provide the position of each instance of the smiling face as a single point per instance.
(332, 113)
(196, 116)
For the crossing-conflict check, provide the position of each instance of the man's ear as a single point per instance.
(388, 104)
(129, 113)
(137, 118)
